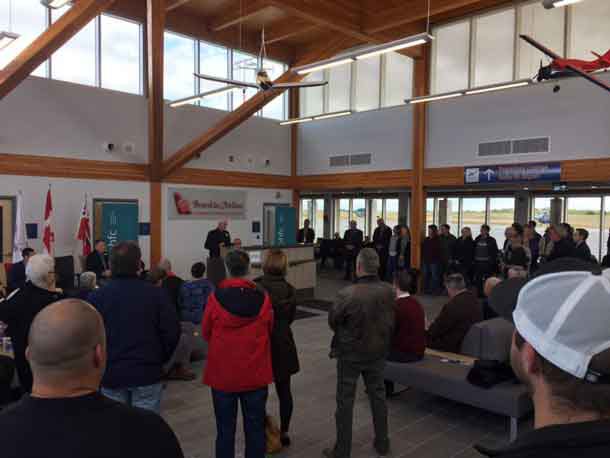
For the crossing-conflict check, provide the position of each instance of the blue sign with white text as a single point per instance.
(549, 171)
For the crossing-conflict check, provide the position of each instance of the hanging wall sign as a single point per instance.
(548, 171)
(192, 203)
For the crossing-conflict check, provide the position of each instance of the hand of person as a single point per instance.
(106, 274)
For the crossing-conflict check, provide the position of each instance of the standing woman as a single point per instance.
(283, 348)
(394, 253)
(464, 255)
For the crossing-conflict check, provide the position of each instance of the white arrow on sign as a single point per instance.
(489, 173)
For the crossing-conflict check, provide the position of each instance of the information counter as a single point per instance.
(302, 270)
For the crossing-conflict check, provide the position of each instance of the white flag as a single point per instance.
(20, 240)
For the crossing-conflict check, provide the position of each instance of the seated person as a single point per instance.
(171, 282)
(194, 295)
(409, 342)
(178, 366)
(88, 282)
(463, 310)
(16, 276)
(490, 284)
(66, 412)
(237, 244)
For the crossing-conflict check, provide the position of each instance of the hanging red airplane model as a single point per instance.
(561, 67)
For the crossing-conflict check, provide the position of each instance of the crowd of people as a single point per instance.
(98, 361)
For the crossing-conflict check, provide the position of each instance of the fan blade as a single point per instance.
(226, 81)
(590, 77)
(300, 85)
(540, 47)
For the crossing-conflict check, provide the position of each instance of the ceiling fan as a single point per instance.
(263, 81)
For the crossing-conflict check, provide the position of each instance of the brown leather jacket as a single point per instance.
(363, 319)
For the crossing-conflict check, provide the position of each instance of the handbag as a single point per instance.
(272, 436)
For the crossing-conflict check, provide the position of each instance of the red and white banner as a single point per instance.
(193, 203)
(48, 237)
(83, 232)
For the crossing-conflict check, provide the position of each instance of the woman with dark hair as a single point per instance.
(283, 348)
(464, 255)
(404, 256)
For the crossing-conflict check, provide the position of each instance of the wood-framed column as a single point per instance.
(293, 112)
(155, 26)
(421, 79)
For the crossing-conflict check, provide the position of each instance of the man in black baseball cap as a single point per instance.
(561, 351)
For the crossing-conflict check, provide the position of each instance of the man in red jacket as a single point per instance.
(237, 324)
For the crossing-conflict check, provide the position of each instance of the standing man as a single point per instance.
(363, 322)
(560, 351)
(217, 239)
(353, 239)
(306, 234)
(381, 241)
(16, 276)
(448, 242)
(581, 249)
(142, 328)
(19, 311)
(97, 261)
(67, 352)
(485, 258)
(431, 261)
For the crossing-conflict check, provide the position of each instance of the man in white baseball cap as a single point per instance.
(561, 351)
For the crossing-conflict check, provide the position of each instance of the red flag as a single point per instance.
(48, 238)
(84, 230)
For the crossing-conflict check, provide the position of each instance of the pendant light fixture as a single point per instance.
(8, 36)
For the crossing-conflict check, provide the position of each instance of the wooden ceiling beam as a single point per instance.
(195, 27)
(176, 4)
(234, 15)
(245, 111)
(411, 11)
(287, 29)
(49, 41)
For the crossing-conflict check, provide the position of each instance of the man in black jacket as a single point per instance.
(581, 249)
(306, 234)
(353, 239)
(485, 258)
(363, 320)
(16, 276)
(142, 328)
(560, 351)
(563, 246)
(66, 415)
(97, 261)
(218, 238)
(381, 241)
(19, 311)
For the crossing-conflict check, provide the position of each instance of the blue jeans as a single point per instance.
(432, 278)
(253, 408)
(144, 397)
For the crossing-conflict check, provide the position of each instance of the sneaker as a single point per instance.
(285, 440)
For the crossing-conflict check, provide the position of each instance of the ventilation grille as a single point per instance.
(494, 148)
(522, 146)
(361, 159)
(351, 160)
(339, 161)
(531, 146)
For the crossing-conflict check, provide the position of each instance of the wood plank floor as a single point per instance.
(421, 425)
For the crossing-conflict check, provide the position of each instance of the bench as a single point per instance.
(444, 375)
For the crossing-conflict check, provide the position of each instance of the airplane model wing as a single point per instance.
(303, 84)
(590, 77)
(540, 47)
(226, 81)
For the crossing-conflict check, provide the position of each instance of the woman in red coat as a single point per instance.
(237, 324)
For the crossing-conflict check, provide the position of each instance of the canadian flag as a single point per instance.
(48, 237)
(83, 233)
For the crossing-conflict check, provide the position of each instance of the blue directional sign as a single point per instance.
(549, 171)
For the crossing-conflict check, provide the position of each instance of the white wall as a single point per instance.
(387, 134)
(55, 118)
(183, 240)
(577, 119)
(68, 196)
